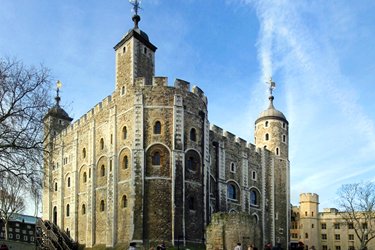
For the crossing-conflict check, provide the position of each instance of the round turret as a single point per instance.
(271, 129)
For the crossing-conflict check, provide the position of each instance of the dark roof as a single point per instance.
(58, 112)
(271, 113)
(138, 34)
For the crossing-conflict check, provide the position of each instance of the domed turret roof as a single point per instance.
(271, 112)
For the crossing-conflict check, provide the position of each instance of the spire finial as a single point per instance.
(136, 18)
(58, 87)
(272, 86)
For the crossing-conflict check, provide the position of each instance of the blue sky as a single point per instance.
(320, 53)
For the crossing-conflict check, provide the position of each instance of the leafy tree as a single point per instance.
(24, 100)
(357, 207)
(11, 198)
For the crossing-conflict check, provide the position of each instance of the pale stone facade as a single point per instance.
(145, 165)
(324, 230)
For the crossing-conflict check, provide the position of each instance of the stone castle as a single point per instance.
(145, 164)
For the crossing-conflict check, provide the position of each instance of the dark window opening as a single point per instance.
(156, 159)
(157, 128)
(193, 134)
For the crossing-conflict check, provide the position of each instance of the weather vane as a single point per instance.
(135, 4)
(272, 85)
(58, 87)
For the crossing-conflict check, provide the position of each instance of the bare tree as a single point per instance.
(357, 207)
(24, 100)
(11, 198)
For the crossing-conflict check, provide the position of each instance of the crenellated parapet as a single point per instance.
(309, 197)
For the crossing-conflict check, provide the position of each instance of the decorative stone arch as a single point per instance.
(100, 179)
(68, 181)
(255, 218)
(161, 167)
(254, 200)
(233, 191)
(193, 161)
(82, 184)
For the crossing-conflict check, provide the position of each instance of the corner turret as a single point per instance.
(271, 129)
(135, 56)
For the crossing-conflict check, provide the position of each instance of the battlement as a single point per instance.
(231, 138)
(308, 197)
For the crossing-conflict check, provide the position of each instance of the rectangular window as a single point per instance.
(350, 226)
(254, 175)
(351, 248)
(32, 238)
(18, 236)
(338, 247)
(324, 236)
(324, 226)
(312, 225)
(351, 236)
(17, 230)
(10, 236)
(324, 247)
(337, 237)
(25, 238)
(364, 225)
(337, 226)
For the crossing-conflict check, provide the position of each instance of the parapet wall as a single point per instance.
(231, 138)
(140, 82)
(308, 197)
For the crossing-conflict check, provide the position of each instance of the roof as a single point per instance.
(271, 113)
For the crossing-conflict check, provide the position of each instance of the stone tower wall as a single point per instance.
(309, 213)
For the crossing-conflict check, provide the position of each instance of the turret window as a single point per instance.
(124, 132)
(68, 181)
(84, 153)
(254, 175)
(125, 163)
(267, 137)
(277, 151)
(55, 186)
(266, 124)
(102, 206)
(124, 50)
(102, 170)
(284, 138)
(156, 159)
(124, 201)
(84, 177)
(157, 128)
(233, 167)
(284, 125)
(101, 143)
(67, 210)
(193, 134)
(83, 209)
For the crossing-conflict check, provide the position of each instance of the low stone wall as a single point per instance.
(228, 229)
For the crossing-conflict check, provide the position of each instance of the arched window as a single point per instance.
(266, 124)
(67, 210)
(191, 203)
(101, 143)
(157, 128)
(102, 205)
(68, 181)
(253, 198)
(232, 192)
(55, 186)
(124, 132)
(83, 209)
(156, 159)
(124, 201)
(102, 170)
(267, 137)
(191, 164)
(84, 153)
(284, 138)
(84, 177)
(193, 134)
(233, 167)
(277, 151)
(123, 87)
(125, 162)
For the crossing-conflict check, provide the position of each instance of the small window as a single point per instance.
(55, 186)
(84, 177)
(337, 237)
(83, 209)
(364, 225)
(125, 162)
(84, 153)
(324, 226)
(254, 175)
(191, 164)
(67, 210)
(156, 159)
(157, 128)
(253, 198)
(324, 236)
(124, 50)
(110, 165)
(233, 167)
(89, 172)
(102, 170)
(232, 192)
(284, 138)
(337, 247)
(111, 138)
(337, 226)
(144, 50)
(350, 226)
(191, 203)
(124, 201)
(312, 213)
(277, 151)
(193, 134)
(124, 132)
(306, 235)
(123, 90)
(351, 236)
(267, 137)
(284, 125)
(305, 213)
(68, 181)
(101, 143)
(10, 236)
(102, 205)
(266, 124)
(312, 225)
